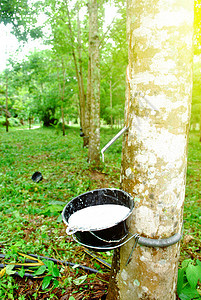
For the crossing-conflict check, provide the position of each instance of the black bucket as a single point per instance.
(37, 176)
(103, 239)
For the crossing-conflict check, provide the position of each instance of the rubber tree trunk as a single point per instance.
(78, 67)
(88, 98)
(30, 118)
(94, 134)
(158, 101)
(81, 83)
(7, 122)
(62, 92)
(111, 117)
(88, 101)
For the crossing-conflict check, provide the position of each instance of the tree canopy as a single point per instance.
(34, 82)
(22, 15)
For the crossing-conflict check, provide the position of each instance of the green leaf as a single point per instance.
(56, 202)
(40, 270)
(46, 282)
(193, 275)
(186, 262)
(54, 208)
(71, 298)
(180, 280)
(97, 266)
(49, 264)
(21, 272)
(80, 280)
(9, 269)
(55, 271)
(188, 293)
(75, 266)
(198, 263)
(59, 219)
(56, 282)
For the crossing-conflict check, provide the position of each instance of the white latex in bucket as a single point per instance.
(97, 217)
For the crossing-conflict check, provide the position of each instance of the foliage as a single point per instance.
(33, 88)
(197, 27)
(188, 277)
(13, 122)
(34, 84)
(196, 98)
(22, 15)
(114, 61)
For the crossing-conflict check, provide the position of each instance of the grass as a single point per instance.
(191, 245)
(30, 213)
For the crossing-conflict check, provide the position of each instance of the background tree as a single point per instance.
(68, 36)
(197, 27)
(6, 96)
(34, 88)
(22, 15)
(94, 84)
(155, 148)
(114, 60)
(62, 91)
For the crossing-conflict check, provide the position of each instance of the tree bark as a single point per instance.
(94, 134)
(111, 117)
(7, 104)
(154, 159)
(78, 67)
(62, 96)
(30, 118)
(88, 102)
(81, 84)
(62, 93)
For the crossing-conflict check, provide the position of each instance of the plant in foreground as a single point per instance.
(189, 279)
(51, 272)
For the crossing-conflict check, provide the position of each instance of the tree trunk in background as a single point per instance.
(81, 81)
(88, 101)
(78, 67)
(63, 121)
(7, 104)
(159, 75)
(111, 117)
(62, 96)
(30, 122)
(62, 92)
(94, 134)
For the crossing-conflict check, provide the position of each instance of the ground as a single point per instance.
(30, 212)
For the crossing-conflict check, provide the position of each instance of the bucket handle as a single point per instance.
(70, 230)
(106, 241)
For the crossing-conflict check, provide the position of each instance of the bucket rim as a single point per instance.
(100, 228)
(100, 248)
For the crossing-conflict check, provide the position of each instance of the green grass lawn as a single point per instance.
(191, 246)
(30, 213)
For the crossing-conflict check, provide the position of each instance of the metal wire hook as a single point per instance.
(136, 236)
